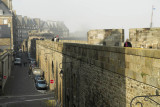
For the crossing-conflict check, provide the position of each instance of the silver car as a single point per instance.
(41, 84)
(17, 61)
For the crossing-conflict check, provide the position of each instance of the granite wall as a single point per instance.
(99, 76)
(107, 37)
(145, 37)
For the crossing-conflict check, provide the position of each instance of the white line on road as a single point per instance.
(2, 97)
(29, 100)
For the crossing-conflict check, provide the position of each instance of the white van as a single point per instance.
(37, 72)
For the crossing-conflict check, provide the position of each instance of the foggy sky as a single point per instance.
(92, 14)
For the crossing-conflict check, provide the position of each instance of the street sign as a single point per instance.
(4, 77)
(52, 81)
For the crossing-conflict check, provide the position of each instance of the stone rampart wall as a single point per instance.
(145, 37)
(74, 41)
(107, 37)
(100, 76)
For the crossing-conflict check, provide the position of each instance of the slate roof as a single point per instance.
(23, 22)
(5, 9)
(19, 17)
(37, 21)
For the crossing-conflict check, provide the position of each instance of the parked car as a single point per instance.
(41, 84)
(38, 77)
(18, 55)
(17, 61)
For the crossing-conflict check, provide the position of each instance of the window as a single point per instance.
(5, 21)
(1, 12)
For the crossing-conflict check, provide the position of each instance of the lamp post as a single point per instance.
(61, 73)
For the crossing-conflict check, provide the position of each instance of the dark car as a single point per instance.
(41, 84)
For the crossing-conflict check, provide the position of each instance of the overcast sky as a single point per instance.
(92, 14)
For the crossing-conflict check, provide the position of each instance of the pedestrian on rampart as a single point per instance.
(55, 39)
(127, 43)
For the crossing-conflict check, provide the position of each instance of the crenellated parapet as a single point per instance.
(145, 37)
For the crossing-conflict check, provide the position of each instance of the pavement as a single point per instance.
(20, 90)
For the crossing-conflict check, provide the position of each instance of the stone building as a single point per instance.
(145, 37)
(107, 37)
(6, 58)
(5, 37)
(57, 28)
(35, 26)
(8, 17)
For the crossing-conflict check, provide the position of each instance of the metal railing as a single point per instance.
(146, 98)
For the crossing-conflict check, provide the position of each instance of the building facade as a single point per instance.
(35, 26)
(6, 58)
(8, 18)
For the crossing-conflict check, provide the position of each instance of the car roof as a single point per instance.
(37, 69)
(39, 80)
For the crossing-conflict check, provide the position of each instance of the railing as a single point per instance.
(146, 98)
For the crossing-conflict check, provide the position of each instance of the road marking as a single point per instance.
(48, 98)
(41, 99)
(2, 97)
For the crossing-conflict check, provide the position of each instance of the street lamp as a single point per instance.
(61, 73)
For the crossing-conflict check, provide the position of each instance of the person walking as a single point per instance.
(127, 43)
(55, 39)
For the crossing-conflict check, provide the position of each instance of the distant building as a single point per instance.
(35, 26)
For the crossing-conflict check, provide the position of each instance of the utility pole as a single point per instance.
(152, 17)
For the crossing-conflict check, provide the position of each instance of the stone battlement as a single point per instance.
(145, 37)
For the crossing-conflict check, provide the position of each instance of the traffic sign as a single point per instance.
(52, 81)
(4, 77)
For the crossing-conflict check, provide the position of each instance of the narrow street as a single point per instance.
(20, 90)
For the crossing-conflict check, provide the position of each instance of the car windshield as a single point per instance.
(17, 59)
(41, 82)
(38, 76)
(33, 62)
